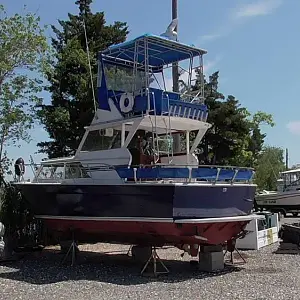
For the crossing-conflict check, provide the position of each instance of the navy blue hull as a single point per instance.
(139, 200)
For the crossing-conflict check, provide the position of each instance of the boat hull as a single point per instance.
(286, 200)
(140, 200)
(144, 232)
(121, 213)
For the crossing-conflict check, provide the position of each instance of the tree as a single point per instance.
(251, 147)
(72, 106)
(269, 164)
(229, 125)
(234, 138)
(24, 59)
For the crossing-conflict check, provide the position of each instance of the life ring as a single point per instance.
(126, 102)
(2, 230)
(19, 167)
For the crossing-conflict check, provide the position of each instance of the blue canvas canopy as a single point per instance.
(161, 51)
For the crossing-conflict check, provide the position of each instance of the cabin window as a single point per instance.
(103, 139)
(121, 79)
(291, 178)
(165, 144)
(55, 171)
(76, 170)
(183, 143)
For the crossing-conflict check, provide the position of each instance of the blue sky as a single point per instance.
(254, 45)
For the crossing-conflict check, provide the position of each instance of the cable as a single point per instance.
(90, 67)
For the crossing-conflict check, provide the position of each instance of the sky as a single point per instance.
(253, 44)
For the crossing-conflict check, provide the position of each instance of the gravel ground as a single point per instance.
(111, 274)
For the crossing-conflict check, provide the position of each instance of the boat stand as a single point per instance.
(231, 247)
(156, 259)
(129, 252)
(72, 251)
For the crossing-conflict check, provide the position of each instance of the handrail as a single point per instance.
(169, 123)
(199, 166)
(143, 165)
(235, 173)
(210, 173)
(218, 174)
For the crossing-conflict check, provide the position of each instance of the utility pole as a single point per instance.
(286, 158)
(175, 75)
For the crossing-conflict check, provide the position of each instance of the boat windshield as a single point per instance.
(59, 171)
(119, 78)
(291, 178)
(103, 139)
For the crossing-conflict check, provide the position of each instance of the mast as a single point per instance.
(175, 75)
(175, 65)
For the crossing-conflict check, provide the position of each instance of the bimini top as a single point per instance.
(161, 52)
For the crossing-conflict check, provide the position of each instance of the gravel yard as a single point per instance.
(112, 275)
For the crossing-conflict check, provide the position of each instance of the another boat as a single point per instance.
(126, 183)
(287, 196)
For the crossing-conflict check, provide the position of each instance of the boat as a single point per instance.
(286, 198)
(127, 181)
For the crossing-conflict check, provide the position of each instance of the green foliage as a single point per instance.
(252, 146)
(14, 213)
(70, 86)
(21, 229)
(24, 57)
(235, 137)
(269, 164)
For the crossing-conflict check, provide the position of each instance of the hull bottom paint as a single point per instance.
(154, 232)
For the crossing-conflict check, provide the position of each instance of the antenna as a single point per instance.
(287, 158)
(175, 73)
(90, 67)
(175, 30)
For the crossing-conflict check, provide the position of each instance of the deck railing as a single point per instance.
(201, 173)
(62, 171)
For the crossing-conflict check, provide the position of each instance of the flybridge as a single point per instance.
(153, 50)
(128, 72)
